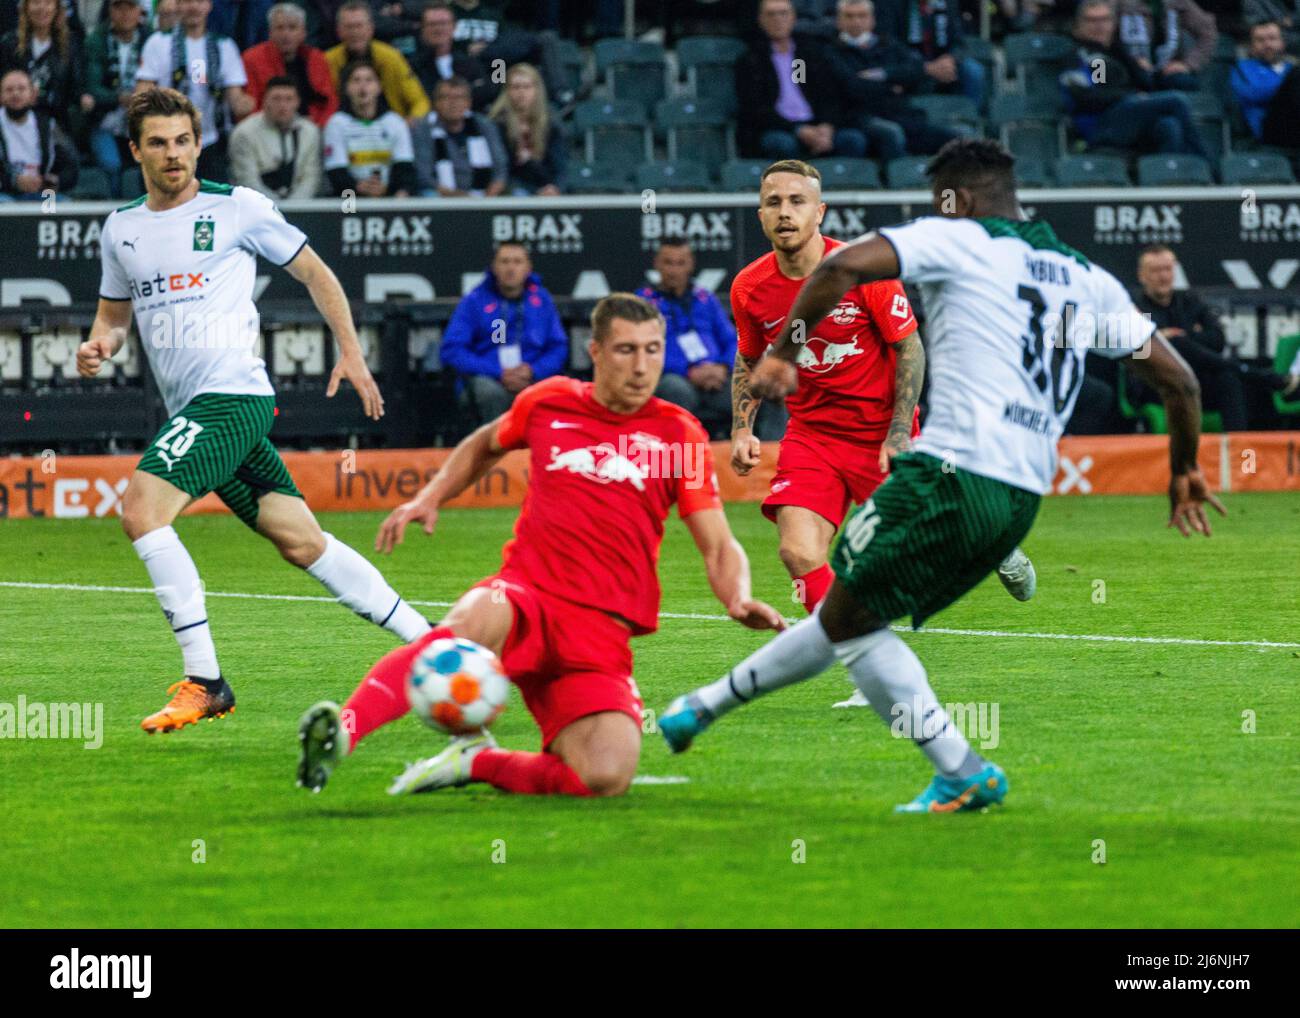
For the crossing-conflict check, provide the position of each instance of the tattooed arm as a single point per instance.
(744, 408)
(909, 375)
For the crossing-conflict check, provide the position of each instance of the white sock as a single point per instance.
(180, 592)
(799, 653)
(358, 585)
(892, 677)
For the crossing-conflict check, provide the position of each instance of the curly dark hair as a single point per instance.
(980, 165)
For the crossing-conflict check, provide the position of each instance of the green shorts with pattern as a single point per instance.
(218, 442)
(928, 535)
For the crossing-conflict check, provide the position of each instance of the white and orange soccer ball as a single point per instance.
(457, 686)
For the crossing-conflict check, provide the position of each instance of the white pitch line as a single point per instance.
(656, 779)
(702, 617)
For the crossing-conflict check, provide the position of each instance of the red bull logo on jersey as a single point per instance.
(819, 355)
(637, 458)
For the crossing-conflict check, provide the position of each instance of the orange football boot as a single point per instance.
(191, 704)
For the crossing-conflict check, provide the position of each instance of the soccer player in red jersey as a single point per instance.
(860, 371)
(578, 580)
(860, 375)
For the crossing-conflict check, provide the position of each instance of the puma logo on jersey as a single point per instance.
(167, 459)
(900, 308)
(819, 356)
(599, 462)
(130, 243)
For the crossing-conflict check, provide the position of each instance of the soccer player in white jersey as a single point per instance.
(1012, 312)
(184, 257)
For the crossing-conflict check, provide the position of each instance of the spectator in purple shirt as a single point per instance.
(793, 106)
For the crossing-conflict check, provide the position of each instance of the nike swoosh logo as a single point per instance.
(564, 424)
(773, 325)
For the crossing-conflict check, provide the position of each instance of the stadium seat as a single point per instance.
(613, 131)
(572, 67)
(600, 178)
(848, 174)
(1257, 168)
(1204, 104)
(679, 176)
(1214, 133)
(1032, 172)
(1092, 171)
(742, 174)
(908, 173)
(1023, 49)
(92, 185)
(1283, 358)
(700, 127)
(709, 62)
(1173, 171)
(950, 111)
(634, 70)
(1032, 141)
(1225, 48)
(1014, 108)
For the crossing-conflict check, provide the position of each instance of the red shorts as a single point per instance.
(823, 474)
(567, 660)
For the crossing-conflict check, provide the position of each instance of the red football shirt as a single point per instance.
(600, 485)
(846, 367)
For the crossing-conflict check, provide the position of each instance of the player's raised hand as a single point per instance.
(1188, 494)
(745, 452)
(756, 615)
(352, 366)
(393, 530)
(773, 378)
(91, 356)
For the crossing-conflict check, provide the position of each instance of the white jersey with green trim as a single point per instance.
(1010, 314)
(189, 273)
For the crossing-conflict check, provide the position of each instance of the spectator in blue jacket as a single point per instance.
(504, 335)
(700, 342)
(1267, 88)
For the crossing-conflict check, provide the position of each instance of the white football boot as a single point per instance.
(856, 700)
(449, 769)
(1017, 574)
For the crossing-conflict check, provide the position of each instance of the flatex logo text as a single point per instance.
(75, 971)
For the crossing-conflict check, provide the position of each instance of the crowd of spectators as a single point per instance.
(476, 97)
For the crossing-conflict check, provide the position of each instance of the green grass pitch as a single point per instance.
(1139, 745)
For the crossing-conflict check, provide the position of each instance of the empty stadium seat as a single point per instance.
(1204, 104)
(742, 174)
(1032, 141)
(613, 131)
(709, 62)
(572, 64)
(848, 174)
(907, 173)
(1033, 172)
(1173, 171)
(599, 178)
(634, 70)
(92, 185)
(1014, 108)
(949, 110)
(1256, 168)
(679, 176)
(1214, 133)
(1092, 171)
(1023, 49)
(699, 127)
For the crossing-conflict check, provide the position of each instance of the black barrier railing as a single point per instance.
(49, 409)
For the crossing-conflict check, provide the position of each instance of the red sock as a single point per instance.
(526, 773)
(381, 697)
(813, 586)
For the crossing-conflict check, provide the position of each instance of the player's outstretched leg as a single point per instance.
(596, 755)
(799, 653)
(286, 521)
(1017, 574)
(327, 734)
(888, 671)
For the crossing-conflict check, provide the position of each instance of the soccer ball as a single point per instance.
(457, 686)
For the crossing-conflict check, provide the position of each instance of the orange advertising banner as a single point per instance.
(79, 487)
